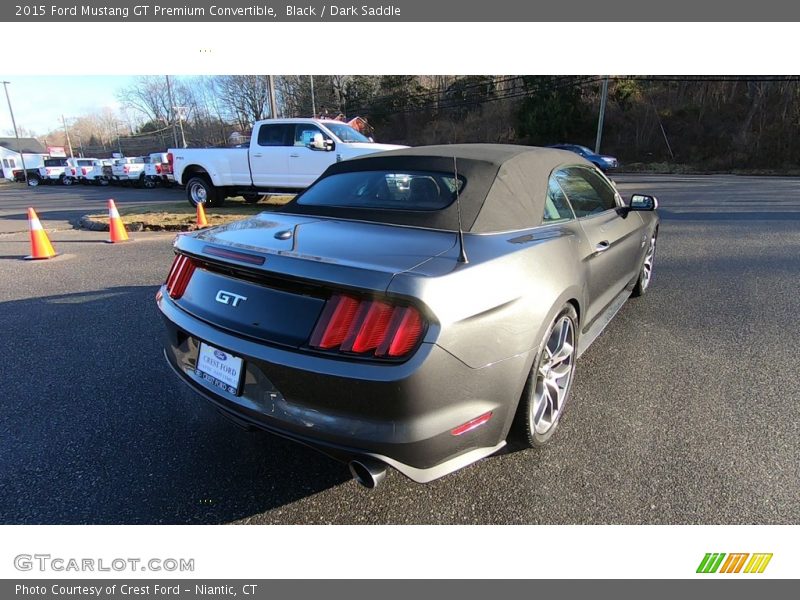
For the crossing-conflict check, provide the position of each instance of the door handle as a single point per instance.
(294, 156)
(602, 246)
(258, 155)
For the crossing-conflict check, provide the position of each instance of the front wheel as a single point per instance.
(550, 380)
(103, 181)
(646, 272)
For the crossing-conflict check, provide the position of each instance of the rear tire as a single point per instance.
(33, 181)
(67, 180)
(103, 181)
(549, 381)
(199, 190)
(149, 183)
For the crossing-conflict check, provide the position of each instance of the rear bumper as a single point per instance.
(400, 414)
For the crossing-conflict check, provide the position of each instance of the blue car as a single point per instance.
(602, 162)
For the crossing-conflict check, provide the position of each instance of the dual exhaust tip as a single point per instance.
(367, 472)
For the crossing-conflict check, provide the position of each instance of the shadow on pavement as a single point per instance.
(97, 429)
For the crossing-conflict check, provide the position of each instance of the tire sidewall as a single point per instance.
(526, 404)
(191, 184)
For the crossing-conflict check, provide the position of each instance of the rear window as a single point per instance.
(413, 190)
(55, 162)
(85, 163)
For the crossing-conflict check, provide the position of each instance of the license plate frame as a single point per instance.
(219, 368)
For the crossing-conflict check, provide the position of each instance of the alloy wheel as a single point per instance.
(554, 377)
(647, 267)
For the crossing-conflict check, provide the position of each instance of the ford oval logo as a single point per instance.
(220, 355)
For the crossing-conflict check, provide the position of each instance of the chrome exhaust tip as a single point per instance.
(367, 472)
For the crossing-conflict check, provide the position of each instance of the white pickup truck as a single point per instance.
(285, 155)
(157, 171)
(85, 170)
(128, 170)
(53, 170)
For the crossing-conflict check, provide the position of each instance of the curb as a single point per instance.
(87, 222)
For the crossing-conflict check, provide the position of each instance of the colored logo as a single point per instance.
(742, 562)
(220, 355)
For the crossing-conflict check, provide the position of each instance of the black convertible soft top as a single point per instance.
(505, 191)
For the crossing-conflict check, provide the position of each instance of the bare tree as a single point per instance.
(243, 98)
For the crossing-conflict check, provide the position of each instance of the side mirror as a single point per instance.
(643, 202)
(318, 142)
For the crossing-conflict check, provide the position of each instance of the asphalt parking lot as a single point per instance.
(60, 206)
(685, 410)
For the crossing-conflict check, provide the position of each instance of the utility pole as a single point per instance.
(313, 102)
(66, 132)
(180, 111)
(601, 118)
(16, 134)
(171, 110)
(273, 106)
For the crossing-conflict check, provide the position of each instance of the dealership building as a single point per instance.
(10, 159)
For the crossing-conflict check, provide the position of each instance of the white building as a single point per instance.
(10, 159)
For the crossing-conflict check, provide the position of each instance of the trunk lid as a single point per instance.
(284, 267)
(352, 253)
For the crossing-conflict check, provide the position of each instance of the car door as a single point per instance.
(269, 155)
(305, 162)
(614, 236)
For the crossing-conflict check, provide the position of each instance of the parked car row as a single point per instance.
(142, 171)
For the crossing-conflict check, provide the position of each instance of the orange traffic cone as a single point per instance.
(201, 216)
(41, 247)
(115, 225)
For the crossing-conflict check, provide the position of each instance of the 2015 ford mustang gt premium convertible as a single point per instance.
(410, 306)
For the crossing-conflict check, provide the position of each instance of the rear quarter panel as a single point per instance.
(499, 304)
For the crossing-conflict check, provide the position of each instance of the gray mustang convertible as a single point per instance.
(411, 306)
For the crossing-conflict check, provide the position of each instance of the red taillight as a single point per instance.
(73, 171)
(158, 169)
(125, 170)
(337, 318)
(470, 425)
(179, 275)
(83, 170)
(170, 160)
(407, 332)
(376, 327)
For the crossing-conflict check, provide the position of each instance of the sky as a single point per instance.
(39, 101)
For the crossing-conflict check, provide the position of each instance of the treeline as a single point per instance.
(697, 122)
